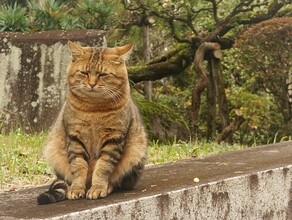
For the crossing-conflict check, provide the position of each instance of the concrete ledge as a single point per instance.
(251, 184)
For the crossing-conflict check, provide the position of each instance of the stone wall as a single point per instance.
(33, 75)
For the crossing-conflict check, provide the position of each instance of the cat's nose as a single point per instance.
(91, 85)
(92, 81)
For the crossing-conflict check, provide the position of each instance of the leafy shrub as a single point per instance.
(13, 18)
(94, 14)
(258, 112)
(56, 15)
(265, 53)
(47, 15)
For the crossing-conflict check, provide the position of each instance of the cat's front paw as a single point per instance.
(98, 191)
(76, 193)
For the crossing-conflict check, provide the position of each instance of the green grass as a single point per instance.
(162, 153)
(23, 165)
(20, 157)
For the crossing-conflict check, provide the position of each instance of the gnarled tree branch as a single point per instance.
(173, 63)
(202, 81)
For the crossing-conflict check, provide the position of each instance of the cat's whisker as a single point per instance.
(76, 87)
(118, 93)
(115, 90)
(113, 96)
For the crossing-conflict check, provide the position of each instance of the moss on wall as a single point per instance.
(161, 122)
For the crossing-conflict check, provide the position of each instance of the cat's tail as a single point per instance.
(57, 192)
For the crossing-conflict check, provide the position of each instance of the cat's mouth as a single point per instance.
(95, 93)
(91, 89)
(92, 92)
(86, 92)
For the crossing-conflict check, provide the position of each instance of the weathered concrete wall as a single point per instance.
(253, 184)
(33, 74)
(265, 195)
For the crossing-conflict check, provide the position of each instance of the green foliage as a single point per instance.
(201, 18)
(252, 107)
(162, 121)
(258, 111)
(264, 52)
(175, 93)
(256, 73)
(94, 14)
(266, 47)
(57, 15)
(47, 15)
(13, 18)
(196, 21)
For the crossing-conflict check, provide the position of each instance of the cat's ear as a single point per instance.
(76, 50)
(125, 51)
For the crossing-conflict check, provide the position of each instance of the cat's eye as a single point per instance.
(103, 74)
(85, 73)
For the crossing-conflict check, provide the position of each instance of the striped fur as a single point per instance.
(57, 192)
(98, 143)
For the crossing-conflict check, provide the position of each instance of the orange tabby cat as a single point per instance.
(98, 143)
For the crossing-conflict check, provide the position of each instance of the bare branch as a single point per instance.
(215, 11)
(174, 33)
(271, 13)
(239, 8)
(234, 18)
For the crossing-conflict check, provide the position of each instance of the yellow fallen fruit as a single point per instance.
(196, 180)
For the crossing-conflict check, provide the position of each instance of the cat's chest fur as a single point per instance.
(93, 129)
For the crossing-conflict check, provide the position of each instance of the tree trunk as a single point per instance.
(211, 100)
(146, 55)
(201, 84)
(222, 99)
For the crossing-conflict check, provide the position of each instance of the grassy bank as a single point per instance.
(23, 165)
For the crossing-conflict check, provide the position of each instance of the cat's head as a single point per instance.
(99, 72)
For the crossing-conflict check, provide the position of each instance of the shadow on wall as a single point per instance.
(33, 75)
